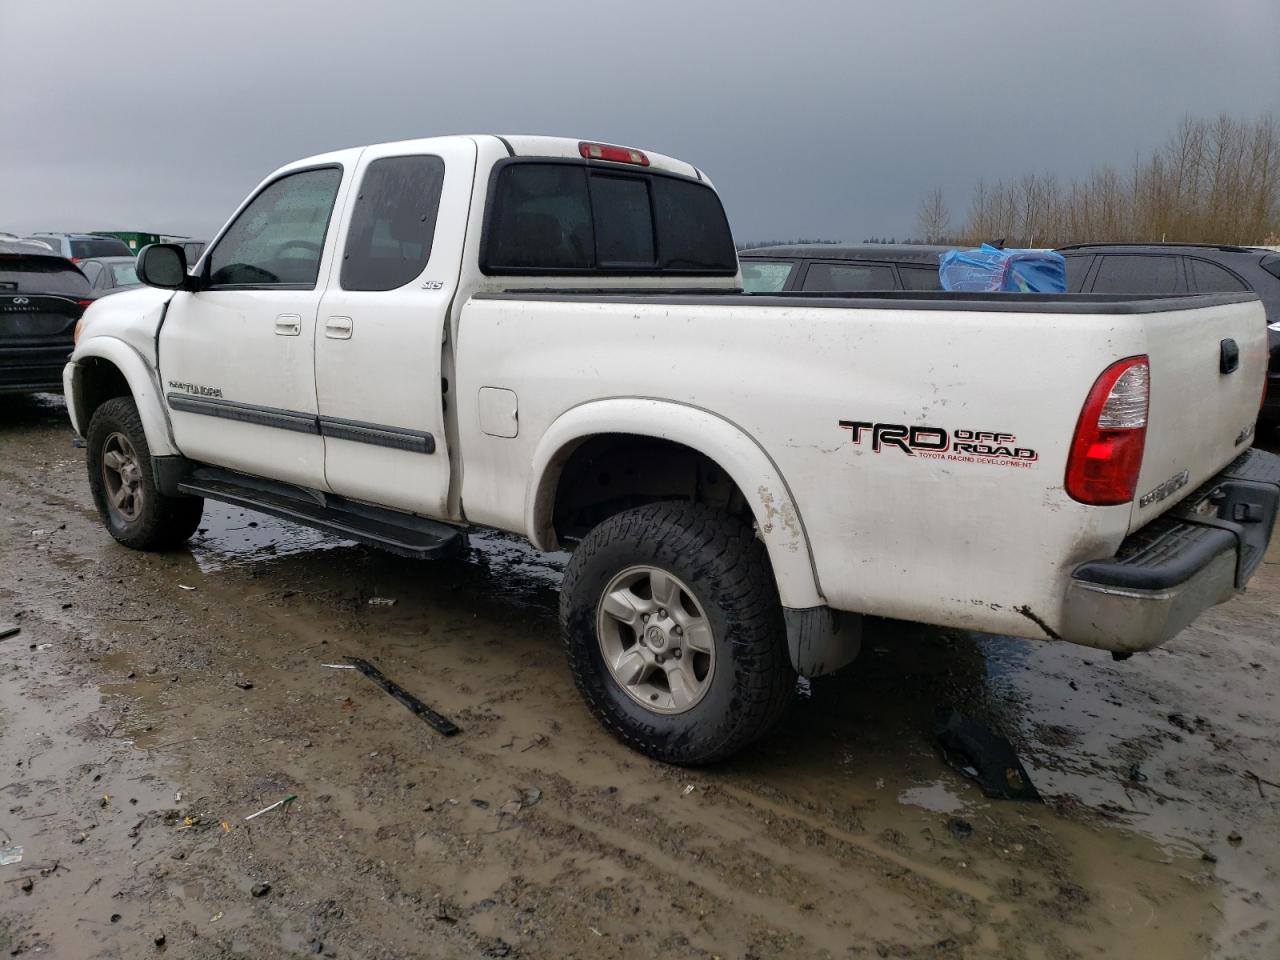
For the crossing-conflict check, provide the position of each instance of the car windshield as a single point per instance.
(765, 276)
(125, 274)
(100, 247)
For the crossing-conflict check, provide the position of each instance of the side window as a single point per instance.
(278, 238)
(1211, 278)
(1077, 269)
(848, 277)
(393, 223)
(1132, 273)
(766, 276)
(919, 278)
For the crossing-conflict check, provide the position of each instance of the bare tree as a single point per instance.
(1213, 180)
(934, 220)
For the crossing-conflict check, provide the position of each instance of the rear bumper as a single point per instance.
(32, 368)
(1165, 575)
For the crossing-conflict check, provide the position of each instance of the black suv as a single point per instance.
(1185, 268)
(42, 296)
(833, 267)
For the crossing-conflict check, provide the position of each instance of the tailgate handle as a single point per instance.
(1229, 356)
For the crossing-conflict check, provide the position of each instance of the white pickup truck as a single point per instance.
(397, 342)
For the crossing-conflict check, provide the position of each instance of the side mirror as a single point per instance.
(163, 265)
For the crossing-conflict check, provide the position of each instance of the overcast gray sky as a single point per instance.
(815, 119)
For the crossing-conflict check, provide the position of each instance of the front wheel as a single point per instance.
(133, 509)
(674, 632)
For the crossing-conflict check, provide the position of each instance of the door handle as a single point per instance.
(288, 325)
(338, 328)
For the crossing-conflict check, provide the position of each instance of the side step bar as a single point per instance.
(391, 530)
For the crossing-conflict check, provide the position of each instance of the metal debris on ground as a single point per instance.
(183, 586)
(275, 806)
(439, 722)
(8, 630)
(10, 855)
(984, 756)
(382, 601)
(338, 666)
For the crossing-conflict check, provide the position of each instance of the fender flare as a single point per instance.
(147, 394)
(723, 442)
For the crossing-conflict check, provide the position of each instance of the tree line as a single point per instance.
(1212, 181)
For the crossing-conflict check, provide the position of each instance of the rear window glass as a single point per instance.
(570, 218)
(623, 219)
(1127, 273)
(393, 224)
(1211, 278)
(38, 274)
(766, 276)
(100, 247)
(125, 274)
(848, 277)
(919, 278)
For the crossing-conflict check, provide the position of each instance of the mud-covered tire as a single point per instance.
(727, 572)
(154, 521)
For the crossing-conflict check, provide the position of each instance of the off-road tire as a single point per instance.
(163, 522)
(727, 570)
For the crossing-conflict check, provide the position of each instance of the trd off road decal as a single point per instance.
(934, 443)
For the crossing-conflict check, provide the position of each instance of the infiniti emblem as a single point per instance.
(18, 301)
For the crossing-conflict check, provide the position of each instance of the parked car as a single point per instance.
(829, 267)
(42, 297)
(1176, 268)
(193, 249)
(397, 342)
(81, 246)
(110, 274)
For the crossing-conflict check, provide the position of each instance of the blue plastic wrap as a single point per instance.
(989, 269)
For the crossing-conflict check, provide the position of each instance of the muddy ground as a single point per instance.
(151, 702)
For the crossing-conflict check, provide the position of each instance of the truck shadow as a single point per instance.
(28, 412)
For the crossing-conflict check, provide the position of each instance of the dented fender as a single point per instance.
(141, 378)
(777, 518)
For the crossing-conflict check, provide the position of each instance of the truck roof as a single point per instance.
(526, 145)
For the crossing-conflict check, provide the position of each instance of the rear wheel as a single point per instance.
(134, 511)
(674, 632)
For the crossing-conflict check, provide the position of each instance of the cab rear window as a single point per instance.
(573, 218)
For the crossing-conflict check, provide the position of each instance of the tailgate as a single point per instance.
(1201, 416)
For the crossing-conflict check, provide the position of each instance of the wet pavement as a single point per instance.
(141, 722)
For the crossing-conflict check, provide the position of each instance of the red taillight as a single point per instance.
(84, 303)
(74, 259)
(603, 151)
(1106, 451)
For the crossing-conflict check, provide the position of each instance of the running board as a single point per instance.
(400, 533)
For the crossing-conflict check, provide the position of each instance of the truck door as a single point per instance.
(382, 326)
(237, 356)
